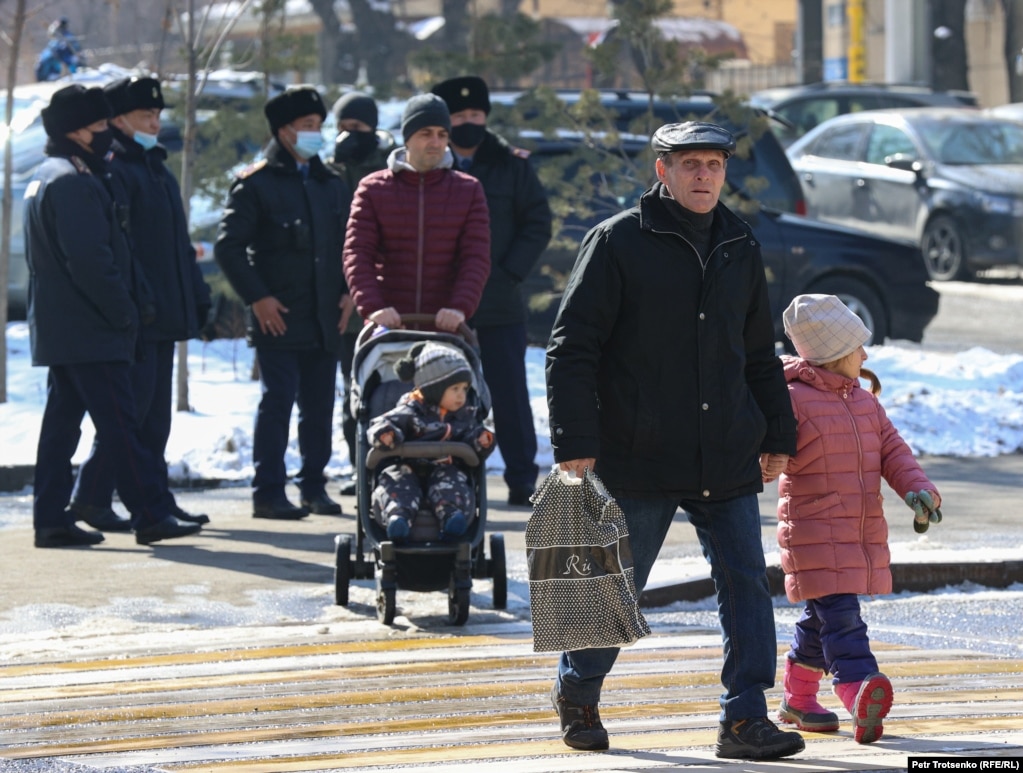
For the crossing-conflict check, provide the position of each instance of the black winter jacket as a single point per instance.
(160, 245)
(520, 228)
(80, 303)
(282, 236)
(663, 371)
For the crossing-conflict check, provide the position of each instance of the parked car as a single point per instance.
(883, 281)
(802, 108)
(949, 180)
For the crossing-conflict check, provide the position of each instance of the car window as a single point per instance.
(976, 142)
(886, 141)
(865, 102)
(806, 114)
(841, 142)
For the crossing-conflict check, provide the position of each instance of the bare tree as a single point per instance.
(196, 51)
(17, 28)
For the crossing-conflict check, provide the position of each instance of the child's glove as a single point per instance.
(925, 511)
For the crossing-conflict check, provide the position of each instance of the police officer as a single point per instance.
(520, 228)
(359, 149)
(84, 321)
(279, 245)
(164, 264)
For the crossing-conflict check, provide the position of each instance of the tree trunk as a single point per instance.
(187, 184)
(329, 41)
(948, 48)
(456, 25)
(5, 216)
(1014, 48)
(381, 47)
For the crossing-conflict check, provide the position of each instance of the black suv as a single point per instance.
(802, 108)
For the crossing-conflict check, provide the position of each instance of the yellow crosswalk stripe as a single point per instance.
(449, 700)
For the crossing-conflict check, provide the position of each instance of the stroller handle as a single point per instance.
(424, 449)
(467, 333)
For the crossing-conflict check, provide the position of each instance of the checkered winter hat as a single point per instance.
(433, 367)
(823, 329)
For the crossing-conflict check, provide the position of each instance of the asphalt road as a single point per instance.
(987, 313)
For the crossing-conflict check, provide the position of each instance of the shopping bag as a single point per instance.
(582, 592)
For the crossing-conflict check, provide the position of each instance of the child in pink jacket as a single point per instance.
(831, 527)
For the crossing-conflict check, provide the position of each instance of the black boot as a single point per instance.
(581, 727)
(69, 536)
(100, 518)
(169, 528)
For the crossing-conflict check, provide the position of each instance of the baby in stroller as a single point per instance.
(437, 409)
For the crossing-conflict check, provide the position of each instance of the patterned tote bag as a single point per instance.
(582, 592)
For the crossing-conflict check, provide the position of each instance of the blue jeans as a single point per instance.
(729, 534)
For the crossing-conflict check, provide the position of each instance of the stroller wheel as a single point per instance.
(342, 568)
(499, 571)
(386, 605)
(458, 605)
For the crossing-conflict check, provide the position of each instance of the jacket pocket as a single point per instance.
(818, 505)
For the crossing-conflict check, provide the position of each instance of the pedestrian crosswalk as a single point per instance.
(414, 701)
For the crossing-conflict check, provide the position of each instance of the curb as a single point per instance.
(913, 577)
(14, 478)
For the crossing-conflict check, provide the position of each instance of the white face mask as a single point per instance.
(308, 144)
(147, 141)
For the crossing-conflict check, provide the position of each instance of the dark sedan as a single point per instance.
(949, 180)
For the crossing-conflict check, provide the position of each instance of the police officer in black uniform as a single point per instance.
(177, 299)
(360, 148)
(279, 245)
(84, 321)
(520, 228)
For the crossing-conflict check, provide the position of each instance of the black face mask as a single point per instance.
(101, 142)
(354, 146)
(468, 135)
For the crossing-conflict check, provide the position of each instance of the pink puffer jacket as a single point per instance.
(417, 242)
(831, 527)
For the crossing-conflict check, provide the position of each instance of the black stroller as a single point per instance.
(424, 562)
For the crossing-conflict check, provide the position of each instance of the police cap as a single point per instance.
(692, 135)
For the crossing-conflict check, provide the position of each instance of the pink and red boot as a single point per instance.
(799, 706)
(869, 702)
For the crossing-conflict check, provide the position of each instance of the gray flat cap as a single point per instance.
(692, 135)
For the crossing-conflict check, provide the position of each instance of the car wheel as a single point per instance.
(864, 302)
(943, 251)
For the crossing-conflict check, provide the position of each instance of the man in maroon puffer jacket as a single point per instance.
(418, 238)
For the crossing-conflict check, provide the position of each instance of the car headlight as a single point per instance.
(1001, 205)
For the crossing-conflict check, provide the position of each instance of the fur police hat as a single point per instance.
(432, 368)
(134, 93)
(466, 93)
(692, 135)
(424, 110)
(296, 102)
(358, 106)
(72, 108)
(823, 329)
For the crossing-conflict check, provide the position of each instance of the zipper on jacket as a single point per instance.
(420, 244)
(703, 263)
(859, 475)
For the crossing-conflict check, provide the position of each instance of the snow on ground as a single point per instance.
(960, 404)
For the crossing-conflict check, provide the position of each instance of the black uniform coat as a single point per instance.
(663, 371)
(160, 244)
(80, 304)
(282, 236)
(520, 228)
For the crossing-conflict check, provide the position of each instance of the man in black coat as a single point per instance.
(360, 148)
(84, 321)
(279, 245)
(177, 299)
(520, 228)
(662, 378)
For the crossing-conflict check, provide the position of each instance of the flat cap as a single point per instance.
(692, 135)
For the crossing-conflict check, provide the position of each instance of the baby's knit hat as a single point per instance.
(823, 329)
(433, 367)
